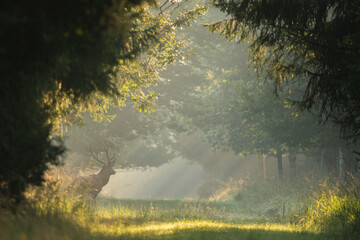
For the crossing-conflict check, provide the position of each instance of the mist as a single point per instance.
(178, 179)
(214, 122)
(178, 119)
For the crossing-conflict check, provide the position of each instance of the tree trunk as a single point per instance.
(356, 155)
(264, 166)
(279, 162)
(323, 166)
(341, 164)
(292, 162)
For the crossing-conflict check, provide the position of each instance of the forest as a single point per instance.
(180, 119)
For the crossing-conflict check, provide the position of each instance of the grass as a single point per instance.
(139, 219)
(335, 210)
(53, 212)
(126, 219)
(270, 201)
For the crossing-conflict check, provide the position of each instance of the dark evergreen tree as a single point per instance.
(46, 46)
(311, 41)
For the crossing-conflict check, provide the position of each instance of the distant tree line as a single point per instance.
(312, 43)
(294, 61)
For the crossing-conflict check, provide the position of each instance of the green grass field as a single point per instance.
(260, 212)
(148, 219)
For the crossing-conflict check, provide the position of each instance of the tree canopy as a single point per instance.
(315, 42)
(55, 55)
(63, 60)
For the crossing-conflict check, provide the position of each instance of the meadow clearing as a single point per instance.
(243, 214)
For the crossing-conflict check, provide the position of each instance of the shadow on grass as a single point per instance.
(222, 234)
(25, 227)
(41, 228)
(243, 234)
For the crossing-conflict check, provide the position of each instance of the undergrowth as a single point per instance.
(271, 200)
(266, 210)
(335, 210)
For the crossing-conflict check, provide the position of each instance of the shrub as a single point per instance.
(56, 196)
(335, 210)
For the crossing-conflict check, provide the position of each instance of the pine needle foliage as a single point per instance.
(315, 42)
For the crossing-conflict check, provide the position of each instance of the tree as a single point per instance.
(50, 51)
(137, 140)
(119, 128)
(134, 79)
(181, 90)
(315, 42)
(252, 121)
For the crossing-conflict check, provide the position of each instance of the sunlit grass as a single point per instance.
(336, 210)
(55, 212)
(79, 228)
(162, 219)
(157, 229)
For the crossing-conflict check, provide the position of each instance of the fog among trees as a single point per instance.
(240, 111)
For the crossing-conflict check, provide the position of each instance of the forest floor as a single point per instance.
(152, 219)
(262, 211)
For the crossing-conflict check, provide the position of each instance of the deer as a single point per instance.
(93, 184)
